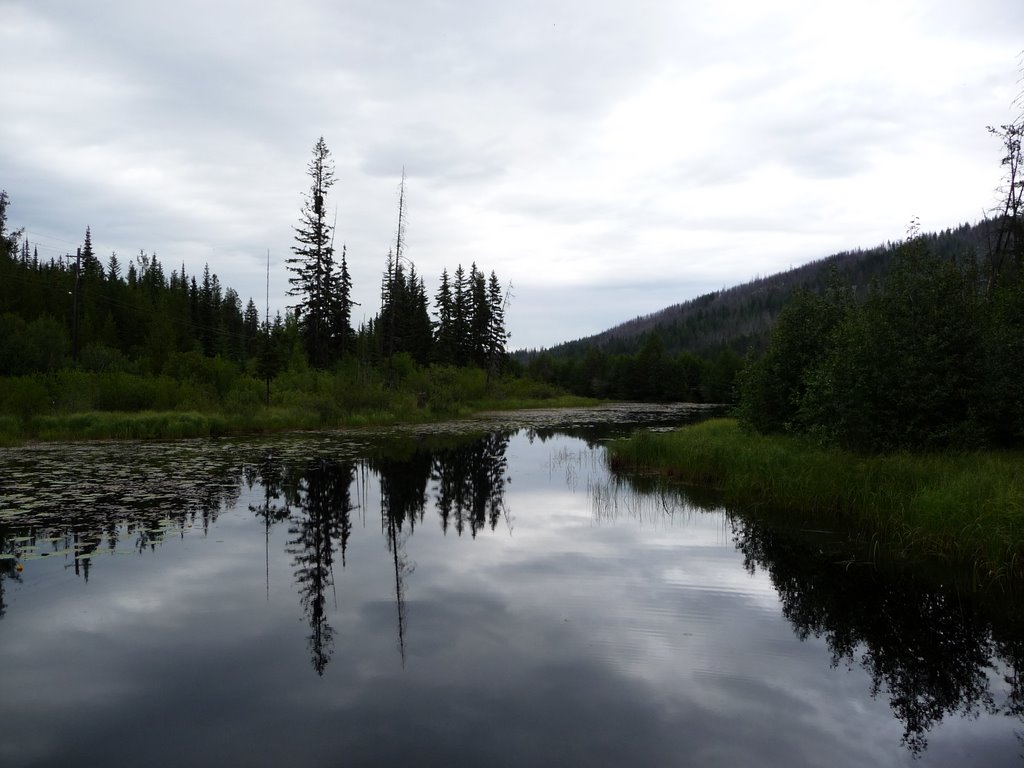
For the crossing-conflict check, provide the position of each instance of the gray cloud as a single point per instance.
(561, 142)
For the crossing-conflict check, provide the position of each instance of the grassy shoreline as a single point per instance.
(171, 425)
(967, 508)
(214, 398)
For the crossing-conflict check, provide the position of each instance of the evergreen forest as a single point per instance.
(84, 334)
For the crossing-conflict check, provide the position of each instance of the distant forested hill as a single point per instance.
(741, 318)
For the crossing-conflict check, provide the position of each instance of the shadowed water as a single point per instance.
(483, 593)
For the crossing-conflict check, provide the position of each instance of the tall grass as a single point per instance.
(967, 507)
(202, 399)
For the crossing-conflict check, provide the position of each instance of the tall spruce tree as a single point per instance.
(461, 315)
(445, 343)
(496, 333)
(480, 317)
(312, 265)
(342, 336)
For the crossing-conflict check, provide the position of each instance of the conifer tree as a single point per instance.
(418, 324)
(312, 265)
(113, 268)
(209, 311)
(461, 315)
(496, 333)
(340, 298)
(444, 339)
(91, 266)
(480, 320)
(251, 326)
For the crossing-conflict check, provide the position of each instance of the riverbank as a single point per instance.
(965, 507)
(77, 406)
(170, 425)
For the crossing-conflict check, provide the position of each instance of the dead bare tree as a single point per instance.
(1008, 249)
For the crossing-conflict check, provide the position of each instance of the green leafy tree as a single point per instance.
(902, 370)
(772, 388)
(1001, 399)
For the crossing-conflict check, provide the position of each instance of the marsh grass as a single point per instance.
(964, 507)
(77, 405)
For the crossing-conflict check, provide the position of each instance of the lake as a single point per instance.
(475, 593)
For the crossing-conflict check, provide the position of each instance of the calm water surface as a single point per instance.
(475, 594)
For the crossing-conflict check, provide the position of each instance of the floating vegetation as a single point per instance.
(79, 500)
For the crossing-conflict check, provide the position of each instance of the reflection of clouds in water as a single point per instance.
(928, 652)
(610, 625)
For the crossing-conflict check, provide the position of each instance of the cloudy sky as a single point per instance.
(606, 158)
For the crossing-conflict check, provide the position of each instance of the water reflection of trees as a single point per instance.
(8, 565)
(465, 479)
(319, 526)
(81, 503)
(140, 496)
(470, 482)
(606, 422)
(928, 651)
(402, 499)
(932, 651)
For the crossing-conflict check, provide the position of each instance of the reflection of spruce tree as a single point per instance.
(323, 518)
(403, 486)
(470, 483)
(929, 652)
(403, 494)
(270, 475)
(85, 543)
(402, 497)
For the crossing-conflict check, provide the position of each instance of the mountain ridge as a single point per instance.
(740, 318)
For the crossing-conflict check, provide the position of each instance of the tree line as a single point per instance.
(77, 311)
(80, 312)
(650, 374)
(468, 327)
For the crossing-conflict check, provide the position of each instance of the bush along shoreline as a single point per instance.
(77, 405)
(963, 508)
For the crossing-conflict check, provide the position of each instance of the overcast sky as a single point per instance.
(606, 158)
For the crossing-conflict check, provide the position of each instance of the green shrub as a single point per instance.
(25, 396)
(214, 374)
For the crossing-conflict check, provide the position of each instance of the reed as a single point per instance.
(967, 507)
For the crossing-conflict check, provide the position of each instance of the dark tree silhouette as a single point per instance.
(314, 280)
(321, 522)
